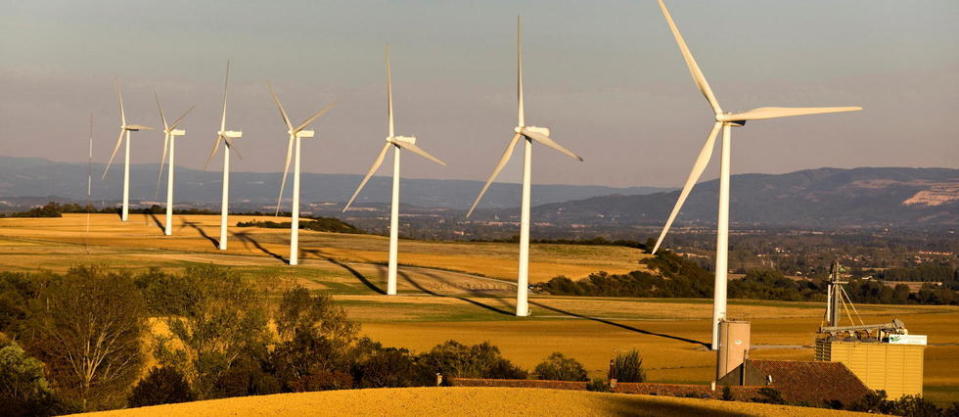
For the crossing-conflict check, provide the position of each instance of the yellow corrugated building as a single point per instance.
(894, 368)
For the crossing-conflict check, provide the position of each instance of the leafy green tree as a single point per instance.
(88, 327)
(226, 321)
(163, 385)
(454, 359)
(24, 390)
(315, 341)
(560, 368)
(376, 366)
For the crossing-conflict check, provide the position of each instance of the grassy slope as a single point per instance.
(416, 402)
(435, 304)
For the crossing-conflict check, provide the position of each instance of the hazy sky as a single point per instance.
(606, 77)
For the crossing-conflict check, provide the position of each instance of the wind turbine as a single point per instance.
(125, 129)
(397, 143)
(293, 151)
(724, 121)
(530, 134)
(170, 132)
(225, 136)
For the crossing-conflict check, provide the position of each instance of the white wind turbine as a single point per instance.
(725, 121)
(170, 132)
(125, 129)
(293, 151)
(225, 136)
(397, 143)
(530, 133)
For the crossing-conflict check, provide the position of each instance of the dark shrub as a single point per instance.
(769, 396)
(454, 359)
(598, 385)
(245, 377)
(561, 368)
(23, 389)
(163, 385)
(628, 367)
(375, 367)
(727, 393)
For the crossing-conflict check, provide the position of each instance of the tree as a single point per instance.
(315, 342)
(376, 366)
(560, 368)
(628, 367)
(163, 385)
(23, 389)
(226, 320)
(454, 359)
(88, 326)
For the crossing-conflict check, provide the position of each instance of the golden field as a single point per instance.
(464, 291)
(463, 401)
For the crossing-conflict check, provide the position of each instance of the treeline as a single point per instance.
(318, 224)
(77, 341)
(674, 276)
(594, 241)
(944, 273)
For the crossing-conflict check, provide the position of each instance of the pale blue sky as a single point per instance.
(606, 77)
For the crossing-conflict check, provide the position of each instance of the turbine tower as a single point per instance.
(293, 151)
(724, 121)
(530, 134)
(125, 129)
(170, 132)
(225, 136)
(397, 143)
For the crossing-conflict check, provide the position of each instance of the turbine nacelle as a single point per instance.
(402, 139)
(304, 134)
(232, 134)
(731, 119)
(177, 132)
(136, 128)
(522, 129)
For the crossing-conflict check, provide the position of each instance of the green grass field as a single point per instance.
(464, 291)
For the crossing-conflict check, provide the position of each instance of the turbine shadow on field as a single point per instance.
(156, 221)
(628, 407)
(620, 325)
(420, 287)
(249, 240)
(359, 275)
(214, 241)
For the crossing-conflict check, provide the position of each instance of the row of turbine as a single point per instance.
(722, 121)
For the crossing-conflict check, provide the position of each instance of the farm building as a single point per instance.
(800, 381)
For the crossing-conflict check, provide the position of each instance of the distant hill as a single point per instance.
(41, 179)
(826, 197)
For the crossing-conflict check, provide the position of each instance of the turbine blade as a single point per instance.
(777, 112)
(166, 148)
(286, 119)
(315, 116)
(180, 119)
(545, 140)
(520, 108)
(216, 147)
(697, 74)
(496, 170)
(419, 151)
(286, 170)
(114, 154)
(226, 83)
(232, 146)
(698, 167)
(123, 116)
(389, 91)
(162, 116)
(376, 165)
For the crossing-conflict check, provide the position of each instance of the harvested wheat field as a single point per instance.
(442, 296)
(462, 401)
